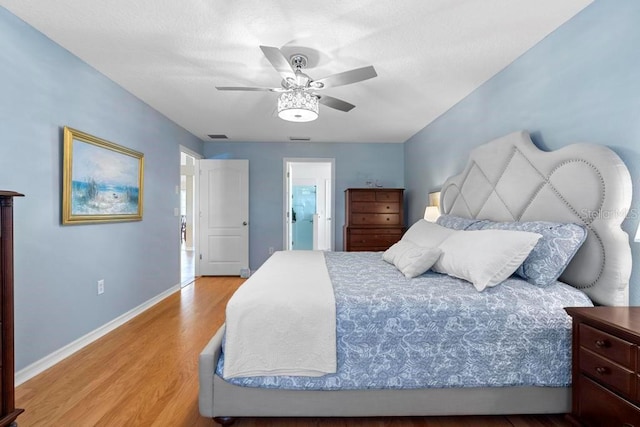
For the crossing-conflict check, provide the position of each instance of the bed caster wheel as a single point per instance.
(224, 421)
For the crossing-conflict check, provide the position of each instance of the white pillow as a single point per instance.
(427, 234)
(397, 249)
(410, 259)
(416, 261)
(484, 257)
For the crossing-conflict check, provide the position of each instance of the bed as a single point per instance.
(505, 181)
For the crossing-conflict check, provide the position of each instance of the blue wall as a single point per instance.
(354, 164)
(580, 84)
(44, 88)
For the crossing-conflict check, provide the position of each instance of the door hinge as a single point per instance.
(201, 257)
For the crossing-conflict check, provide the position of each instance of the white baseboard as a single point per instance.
(48, 361)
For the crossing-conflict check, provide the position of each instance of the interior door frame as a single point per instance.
(196, 205)
(286, 192)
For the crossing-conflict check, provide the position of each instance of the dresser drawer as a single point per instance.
(397, 232)
(609, 346)
(598, 407)
(388, 196)
(607, 372)
(373, 240)
(375, 219)
(375, 207)
(362, 196)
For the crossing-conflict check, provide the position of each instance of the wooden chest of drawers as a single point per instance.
(606, 366)
(374, 218)
(8, 411)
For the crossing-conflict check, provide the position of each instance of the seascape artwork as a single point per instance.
(104, 182)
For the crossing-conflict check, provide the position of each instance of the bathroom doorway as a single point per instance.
(309, 203)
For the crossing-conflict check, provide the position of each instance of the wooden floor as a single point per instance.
(145, 374)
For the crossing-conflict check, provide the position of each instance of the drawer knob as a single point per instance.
(602, 370)
(602, 343)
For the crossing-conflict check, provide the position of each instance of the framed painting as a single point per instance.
(102, 181)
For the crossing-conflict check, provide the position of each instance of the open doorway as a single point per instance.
(309, 202)
(188, 209)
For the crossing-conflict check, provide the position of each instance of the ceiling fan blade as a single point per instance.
(279, 62)
(335, 103)
(348, 77)
(244, 88)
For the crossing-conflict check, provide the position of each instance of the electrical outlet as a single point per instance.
(100, 287)
(271, 250)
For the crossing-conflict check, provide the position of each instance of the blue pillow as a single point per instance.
(551, 255)
(457, 222)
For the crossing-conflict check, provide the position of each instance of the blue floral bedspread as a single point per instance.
(436, 331)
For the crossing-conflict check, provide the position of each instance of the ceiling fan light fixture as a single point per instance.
(298, 106)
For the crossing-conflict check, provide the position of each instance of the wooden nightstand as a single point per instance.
(606, 366)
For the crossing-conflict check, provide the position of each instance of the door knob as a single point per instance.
(244, 222)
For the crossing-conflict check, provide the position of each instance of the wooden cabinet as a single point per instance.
(606, 366)
(8, 411)
(374, 218)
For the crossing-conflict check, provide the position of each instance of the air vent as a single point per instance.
(214, 136)
(299, 138)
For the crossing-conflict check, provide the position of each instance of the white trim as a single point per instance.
(196, 208)
(48, 361)
(190, 152)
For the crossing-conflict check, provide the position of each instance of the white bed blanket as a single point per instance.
(282, 320)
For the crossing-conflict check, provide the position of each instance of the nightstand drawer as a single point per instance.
(607, 372)
(609, 346)
(598, 407)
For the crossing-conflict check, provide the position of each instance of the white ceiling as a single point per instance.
(429, 54)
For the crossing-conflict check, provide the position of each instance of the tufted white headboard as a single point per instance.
(510, 179)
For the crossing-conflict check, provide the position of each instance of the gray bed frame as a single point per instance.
(508, 179)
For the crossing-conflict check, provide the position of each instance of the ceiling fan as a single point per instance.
(298, 100)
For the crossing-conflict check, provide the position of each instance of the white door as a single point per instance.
(224, 217)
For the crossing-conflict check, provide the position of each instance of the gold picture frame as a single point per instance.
(102, 181)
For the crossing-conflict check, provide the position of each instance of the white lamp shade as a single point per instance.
(298, 106)
(434, 198)
(431, 213)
